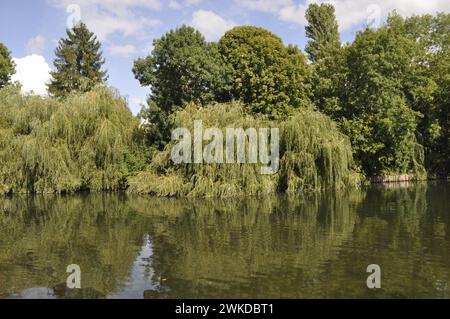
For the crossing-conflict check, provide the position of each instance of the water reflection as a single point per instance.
(141, 273)
(272, 247)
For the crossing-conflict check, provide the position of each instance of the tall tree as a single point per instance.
(328, 57)
(377, 114)
(182, 68)
(429, 87)
(322, 30)
(7, 66)
(78, 63)
(267, 76)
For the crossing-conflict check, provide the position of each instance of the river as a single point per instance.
(313, 246)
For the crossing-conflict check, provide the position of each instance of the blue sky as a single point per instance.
(31, 29)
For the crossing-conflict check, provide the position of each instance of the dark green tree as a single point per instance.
(267, 76)
(322, 30)
(328, 57)
(78, 63)
(182, 68)
(7, 66)
(377, 114)
(428, 89)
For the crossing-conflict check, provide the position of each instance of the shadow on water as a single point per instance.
(315, 246)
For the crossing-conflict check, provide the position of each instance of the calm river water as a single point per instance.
(317, 246)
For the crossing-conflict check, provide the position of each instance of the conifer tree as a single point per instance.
(78, 63)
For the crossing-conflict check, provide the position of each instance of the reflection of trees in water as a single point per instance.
(197, 245)
(316, 246)
(406, 231)
(248, 248)
(40, 236)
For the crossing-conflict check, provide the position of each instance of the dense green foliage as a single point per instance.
(314, 155)
(182, 68)
(387, 90)
(376, 114)
(378, 106)
(7, 67)
(248, 64)
(429, 84)
(78, 63)
(322, 30)
(384, 89)
(265, 75)
(82, 143)
(328, 57)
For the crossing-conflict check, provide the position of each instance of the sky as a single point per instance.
(31, 28)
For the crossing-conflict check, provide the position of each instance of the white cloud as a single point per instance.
(352, 12)
(36, 45)
(273, 6)
(33, 73)
(192, 2)
(105, 17)
(179, 4)
(349, 13)
(293, 13)
(174, 4)
(122, 50)
(211, 25)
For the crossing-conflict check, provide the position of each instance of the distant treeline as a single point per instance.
(377, 106)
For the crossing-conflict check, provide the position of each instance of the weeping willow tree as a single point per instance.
(91, 142)
(82, 143)
(164, 178)
(314, 155)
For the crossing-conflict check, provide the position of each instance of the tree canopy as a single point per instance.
(78, 63)
(429, 84)
(322, 31)
(85, 142)
(182, 68)
(328, 57)
(265, 75)
(7, 66)
(377, 115)
(374, 107)
(386, 89)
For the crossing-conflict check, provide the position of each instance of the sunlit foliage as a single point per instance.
(82, 143)
(314, 155)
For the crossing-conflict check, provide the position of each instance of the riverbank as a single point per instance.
(313, 155)
(92, 142)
